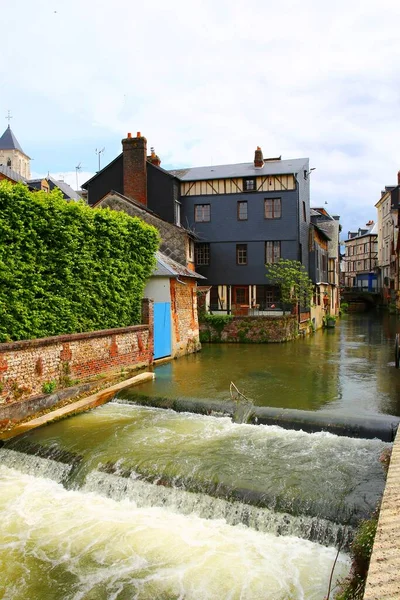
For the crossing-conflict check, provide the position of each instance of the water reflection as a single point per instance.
(349, 368)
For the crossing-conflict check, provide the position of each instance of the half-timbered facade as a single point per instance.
(361, 258)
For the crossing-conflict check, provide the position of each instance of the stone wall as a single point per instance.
(174, 240)
(257, 330)
(184, 316)
(26, 365)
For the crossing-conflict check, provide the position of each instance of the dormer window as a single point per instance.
(249, 184)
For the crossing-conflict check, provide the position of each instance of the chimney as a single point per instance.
(398, 178)
(369, 223)
(134, 155)
(258, 158)
(154, 159)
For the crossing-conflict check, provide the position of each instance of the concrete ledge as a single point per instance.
(76, 407)
(383, 581)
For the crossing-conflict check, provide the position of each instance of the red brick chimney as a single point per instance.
(153, 158)
(258, 158)
(134, 156)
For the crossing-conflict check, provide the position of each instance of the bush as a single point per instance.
(66, 268)
(218, 322)
(49, 386)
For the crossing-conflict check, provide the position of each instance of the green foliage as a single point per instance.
(217, 321)
(49, 386)
(344, 306)
(293, 280)
(65, 267)
(327, 319)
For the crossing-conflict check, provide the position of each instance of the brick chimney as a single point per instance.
(153, 158)
(134, 156)
(258, 158)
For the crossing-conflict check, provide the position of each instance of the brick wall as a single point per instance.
(184, 316)
(26, 365)
(134, 156)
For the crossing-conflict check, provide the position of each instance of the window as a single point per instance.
(177, 210)
(202, 252)
(324, 265)
(8, 162)
(304, 211)
(272, 252)
(242, 211)
(241, 254)
(190, 250)
(249, 184)
(272, 208)
(202, 213)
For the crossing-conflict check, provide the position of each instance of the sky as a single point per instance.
(206, 83)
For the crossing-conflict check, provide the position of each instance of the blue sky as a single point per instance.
(208, 82)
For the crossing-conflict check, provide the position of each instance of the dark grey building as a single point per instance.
(244, 216)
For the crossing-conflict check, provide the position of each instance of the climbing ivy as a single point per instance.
(65, 267)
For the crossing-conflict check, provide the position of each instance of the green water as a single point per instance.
(349, 369)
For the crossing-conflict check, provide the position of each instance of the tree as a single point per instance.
(293, 280)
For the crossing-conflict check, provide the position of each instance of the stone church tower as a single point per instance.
(12, 155)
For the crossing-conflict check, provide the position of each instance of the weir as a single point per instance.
(383, 427)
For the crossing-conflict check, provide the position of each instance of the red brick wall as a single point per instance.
(26, 365)
(184, 316)
(134, 156)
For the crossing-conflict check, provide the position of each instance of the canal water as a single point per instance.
(130, 502)
(349, 370)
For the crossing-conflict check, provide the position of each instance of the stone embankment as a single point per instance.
(74, 408)
(383, 581)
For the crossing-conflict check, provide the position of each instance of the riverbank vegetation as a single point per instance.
(67, 268)
(352, 588)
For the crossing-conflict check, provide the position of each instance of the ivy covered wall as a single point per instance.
(256, 330)
(66, 268)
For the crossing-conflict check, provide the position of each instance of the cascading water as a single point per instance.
(147, 503)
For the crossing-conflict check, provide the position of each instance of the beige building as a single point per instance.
(331, 226)
(387, 220)
(361, 258)
(12, 156)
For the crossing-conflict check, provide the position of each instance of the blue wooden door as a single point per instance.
(162, 329)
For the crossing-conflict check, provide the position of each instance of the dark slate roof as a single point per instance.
(271, 167)
(167, 267)
(322, 231)
(8, 141)
(68, 192)
(11, 174)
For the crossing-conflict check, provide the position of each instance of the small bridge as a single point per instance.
(360, 299)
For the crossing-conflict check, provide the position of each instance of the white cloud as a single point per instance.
(207, 82)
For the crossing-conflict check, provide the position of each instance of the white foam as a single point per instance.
(70, 545)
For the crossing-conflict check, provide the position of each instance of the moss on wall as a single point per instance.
(248, 330)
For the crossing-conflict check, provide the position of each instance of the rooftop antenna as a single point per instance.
(99, 153)
(77, 169)
(9, 117)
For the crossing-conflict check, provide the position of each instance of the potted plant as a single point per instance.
(329, 321)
